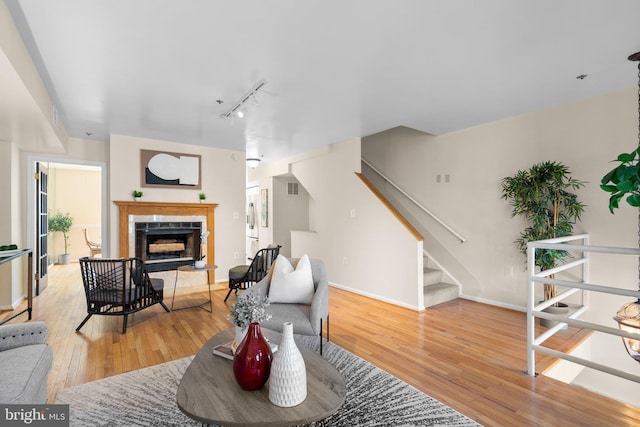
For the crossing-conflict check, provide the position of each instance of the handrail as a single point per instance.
(417, 203)
(404, 221)
(534, 344)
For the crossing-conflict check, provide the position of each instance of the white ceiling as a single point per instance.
(335, 69)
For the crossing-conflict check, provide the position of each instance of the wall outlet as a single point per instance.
(236, 215)
(345, 261)
(352, 212)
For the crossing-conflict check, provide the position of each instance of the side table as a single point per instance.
(191, 268)
(17, 254)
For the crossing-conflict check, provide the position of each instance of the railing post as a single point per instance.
(531, 296)
(585, 271)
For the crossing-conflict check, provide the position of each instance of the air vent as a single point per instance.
(292, 188)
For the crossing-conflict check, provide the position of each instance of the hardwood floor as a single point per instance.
(469, 356)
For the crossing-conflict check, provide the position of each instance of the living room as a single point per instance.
(350, 230)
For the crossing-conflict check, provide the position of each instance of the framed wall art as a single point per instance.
(264, 207)
(170, 170)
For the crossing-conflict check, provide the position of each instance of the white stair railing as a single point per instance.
(415, 202)
(534, 343)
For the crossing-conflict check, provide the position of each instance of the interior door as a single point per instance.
(42, 220)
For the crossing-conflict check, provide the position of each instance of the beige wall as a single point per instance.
(368, 252)
(223, 181)
(29, 111)
(77, 192)
(584, 135)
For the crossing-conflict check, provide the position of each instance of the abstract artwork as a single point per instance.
(169, 170)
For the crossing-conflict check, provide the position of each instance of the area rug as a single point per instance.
(147, 397)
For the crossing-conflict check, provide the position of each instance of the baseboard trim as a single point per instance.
(13, 306)
(494, 303)
(374, 296)
(416, 308)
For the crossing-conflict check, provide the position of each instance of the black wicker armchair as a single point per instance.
(243, 276)
(118, 287)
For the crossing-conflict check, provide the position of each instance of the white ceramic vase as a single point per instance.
(288, 378)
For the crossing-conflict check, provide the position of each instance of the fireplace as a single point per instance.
(130, 213)
(167, 245)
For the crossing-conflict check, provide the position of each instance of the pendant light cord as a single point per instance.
(638, 147)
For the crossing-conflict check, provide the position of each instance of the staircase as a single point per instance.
(436, 287)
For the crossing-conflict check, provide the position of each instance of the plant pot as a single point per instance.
(199, 264)
(63, 259)
(561, 310)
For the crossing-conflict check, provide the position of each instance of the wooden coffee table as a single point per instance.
(209, 393)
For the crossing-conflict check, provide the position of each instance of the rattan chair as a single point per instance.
(243, 276)
(94, 248)
(118, 287)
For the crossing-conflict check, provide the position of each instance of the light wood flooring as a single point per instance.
(469, 356)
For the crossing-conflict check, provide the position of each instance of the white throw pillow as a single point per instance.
(289, 285)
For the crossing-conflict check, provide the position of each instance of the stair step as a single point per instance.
(439, 293)
(432, 276)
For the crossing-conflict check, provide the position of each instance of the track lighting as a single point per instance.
(240, 108)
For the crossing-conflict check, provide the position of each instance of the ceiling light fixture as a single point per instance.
(253, 162)
(239, 108)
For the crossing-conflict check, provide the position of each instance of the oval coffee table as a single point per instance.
(208, 391)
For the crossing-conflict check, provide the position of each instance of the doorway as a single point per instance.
(75, 188)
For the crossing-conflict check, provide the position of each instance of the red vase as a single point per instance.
(252, 362)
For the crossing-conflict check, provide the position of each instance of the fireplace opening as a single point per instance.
(167, 245)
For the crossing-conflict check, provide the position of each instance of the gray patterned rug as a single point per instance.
(147, 397)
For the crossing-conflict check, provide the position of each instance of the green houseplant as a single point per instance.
(60, 222)
(624, 180)
(621, 181)
(542, 195)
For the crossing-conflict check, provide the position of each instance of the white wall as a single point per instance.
(370, 253)
(223, 181)
(584, 135)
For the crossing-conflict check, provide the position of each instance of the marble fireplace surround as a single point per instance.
(131, 212)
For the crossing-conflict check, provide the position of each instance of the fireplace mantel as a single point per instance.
(127, 208)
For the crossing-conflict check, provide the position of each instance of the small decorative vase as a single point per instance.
(240, 334)
(199, 264)
(288, 383)
(252, 362)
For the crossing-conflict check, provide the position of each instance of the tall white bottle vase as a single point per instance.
(288, 378)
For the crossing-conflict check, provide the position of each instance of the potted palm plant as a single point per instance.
(60, 222)
(543, 195)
